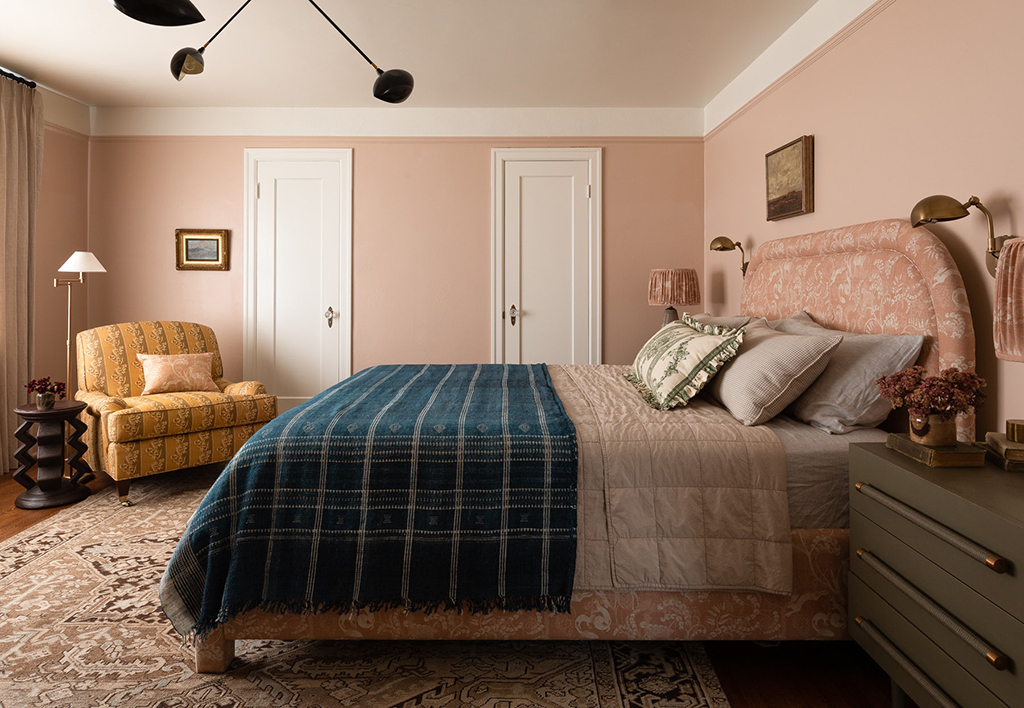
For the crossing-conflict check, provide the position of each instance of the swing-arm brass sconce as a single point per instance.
(724, 243)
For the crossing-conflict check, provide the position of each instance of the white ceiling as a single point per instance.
(462, 53)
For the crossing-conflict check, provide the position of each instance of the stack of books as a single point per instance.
(1004, 452)
(959, 455)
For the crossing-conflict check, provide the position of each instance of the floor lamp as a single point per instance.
(81, 262)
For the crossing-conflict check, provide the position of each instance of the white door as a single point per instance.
(547, 248)
(299, 273)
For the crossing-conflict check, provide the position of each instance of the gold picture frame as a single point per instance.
(789, 179)
(201, 249)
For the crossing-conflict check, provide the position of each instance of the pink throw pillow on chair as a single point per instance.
(175, 373)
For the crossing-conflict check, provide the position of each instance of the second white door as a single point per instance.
(299, 273)
(547, 247)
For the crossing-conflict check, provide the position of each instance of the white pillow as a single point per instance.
(770, 371)
(680, 359)
(845, 396)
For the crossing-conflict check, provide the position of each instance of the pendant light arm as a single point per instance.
(225, 25)
(342, 33)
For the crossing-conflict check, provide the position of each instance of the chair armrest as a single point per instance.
(242, 388)
(100, 403)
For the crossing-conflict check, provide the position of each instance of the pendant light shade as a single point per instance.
(393, 85)
(166, 13)
(187, 61)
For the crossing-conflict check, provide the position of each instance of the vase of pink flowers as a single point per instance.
(47, 392)
(933, 402)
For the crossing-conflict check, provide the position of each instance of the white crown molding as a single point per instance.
(815, 28)
(64, 112)
(402, 122)
(813, 34)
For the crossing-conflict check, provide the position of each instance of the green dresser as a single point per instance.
(936, 586)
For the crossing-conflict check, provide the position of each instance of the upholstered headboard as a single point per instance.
(882, 276)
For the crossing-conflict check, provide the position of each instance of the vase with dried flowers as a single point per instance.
(933, 402)
(47, 392)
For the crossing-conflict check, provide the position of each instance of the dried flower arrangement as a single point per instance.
(44, 385)
(950, 393)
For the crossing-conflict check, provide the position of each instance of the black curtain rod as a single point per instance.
(19, 79)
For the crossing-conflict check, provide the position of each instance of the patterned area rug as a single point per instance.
(81, 625)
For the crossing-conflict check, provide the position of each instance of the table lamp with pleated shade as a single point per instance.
(671, 287)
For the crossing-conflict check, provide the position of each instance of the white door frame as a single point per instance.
(253, 156)
(498, 158)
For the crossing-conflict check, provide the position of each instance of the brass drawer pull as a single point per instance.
(984, 556)
(906, 664)
(996, 658)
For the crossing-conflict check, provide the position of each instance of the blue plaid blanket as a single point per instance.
(422, 487)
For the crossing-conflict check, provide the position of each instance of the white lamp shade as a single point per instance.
(82, 262)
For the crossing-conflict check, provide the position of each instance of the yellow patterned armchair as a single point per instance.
(131, 435)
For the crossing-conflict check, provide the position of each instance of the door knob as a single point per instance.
(513, 313)
(330, 316)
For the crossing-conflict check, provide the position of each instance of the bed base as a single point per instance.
(815, 610)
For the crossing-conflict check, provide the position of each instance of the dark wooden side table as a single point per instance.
(51, 487)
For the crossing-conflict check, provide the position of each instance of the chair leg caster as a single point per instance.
(124, 500)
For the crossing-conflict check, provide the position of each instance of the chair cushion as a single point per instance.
(179, 413)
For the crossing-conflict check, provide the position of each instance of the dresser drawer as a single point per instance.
(953, 680)
(908, 503)
(979, 636)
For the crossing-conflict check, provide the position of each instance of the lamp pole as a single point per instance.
(58, 282)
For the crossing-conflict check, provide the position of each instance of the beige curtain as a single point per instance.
(21, 165)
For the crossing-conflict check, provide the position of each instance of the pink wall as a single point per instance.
(436, 240)
(923, 99)
(61, 228)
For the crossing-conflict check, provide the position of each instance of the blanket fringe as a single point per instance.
(545, 603)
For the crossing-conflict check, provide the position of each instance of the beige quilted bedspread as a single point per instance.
(687, 499)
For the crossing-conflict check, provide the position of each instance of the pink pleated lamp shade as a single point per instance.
(674, 286)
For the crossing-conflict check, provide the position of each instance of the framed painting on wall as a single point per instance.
(201, 249)
(789, 174)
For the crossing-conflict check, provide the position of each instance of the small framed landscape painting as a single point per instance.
(201, 249)
(789, 174)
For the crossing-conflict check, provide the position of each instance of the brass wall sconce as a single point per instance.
(724, 243)
(939, 207)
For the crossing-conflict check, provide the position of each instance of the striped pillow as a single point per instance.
(845, 396)
(679, 359)
(771, 370)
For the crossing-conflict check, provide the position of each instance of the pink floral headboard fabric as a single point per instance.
(878, 277)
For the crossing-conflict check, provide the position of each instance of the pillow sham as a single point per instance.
(734, 321)
(676, 363)
(175, 373)
(845, 396)
(770, 371)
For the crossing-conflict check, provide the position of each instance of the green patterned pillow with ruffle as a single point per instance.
(680, 359)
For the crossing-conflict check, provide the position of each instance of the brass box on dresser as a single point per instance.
(936, 593)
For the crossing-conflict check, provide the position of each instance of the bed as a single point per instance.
(879, 277)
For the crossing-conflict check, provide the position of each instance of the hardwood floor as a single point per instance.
(14, 520)
(799, 675)
(790, 675)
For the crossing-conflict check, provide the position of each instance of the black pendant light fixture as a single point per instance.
(392, 86)
(189, 60)
(166, 13)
